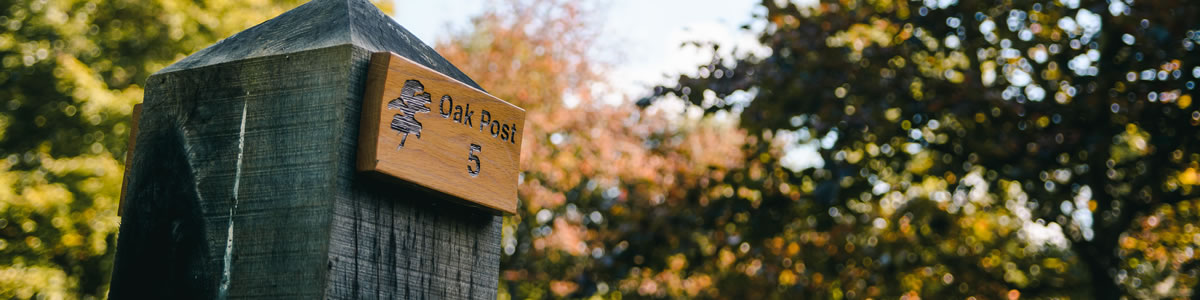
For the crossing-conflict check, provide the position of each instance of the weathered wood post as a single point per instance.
(312, 156)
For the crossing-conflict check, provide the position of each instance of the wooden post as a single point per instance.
(244, 184)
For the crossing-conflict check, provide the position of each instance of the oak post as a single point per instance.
(243, 182)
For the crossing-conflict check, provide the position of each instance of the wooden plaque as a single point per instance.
(425, 128)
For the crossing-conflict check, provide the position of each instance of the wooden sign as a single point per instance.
(425, 128)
